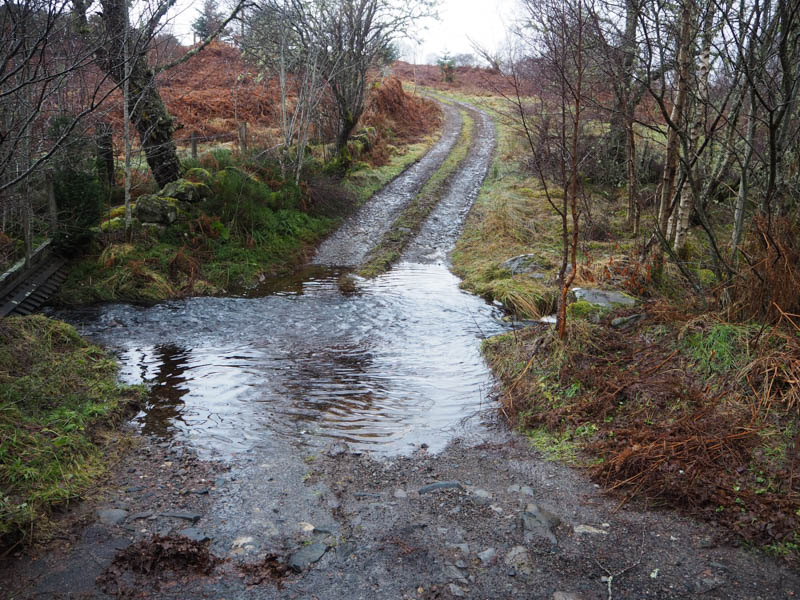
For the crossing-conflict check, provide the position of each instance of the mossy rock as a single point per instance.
(186, 191)
(156, 209)
(119, 211)
(115, 224)
(706, 277)
(581, 309)
(198, 175)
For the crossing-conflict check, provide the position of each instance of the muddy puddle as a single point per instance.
(385, 364)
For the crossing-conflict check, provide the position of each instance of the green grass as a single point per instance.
(391, 246)
(721, 349)
(252, 226)
(364, 180)
(57, 393)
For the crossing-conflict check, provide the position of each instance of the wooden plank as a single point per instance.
(28, 288)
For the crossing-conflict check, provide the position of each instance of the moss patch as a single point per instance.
(57, 394)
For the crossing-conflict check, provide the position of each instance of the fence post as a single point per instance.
(51, 203)
(194, 145)
(243, 136)
(27, 233)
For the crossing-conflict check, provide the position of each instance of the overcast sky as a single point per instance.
(484, 21)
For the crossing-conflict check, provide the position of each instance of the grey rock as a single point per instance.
(567, 596)
(186, 516)
(538, 521)
(196, 535)
(440, 485)
(156, 209)
(463, 548)
(523, 264)
(605, 298)
(513, 489)
(461, 564)
(366, 495)
(588, 529)
(519, 560)
(401, 494)
(307, 555)
(452, 572)
(527, 490)
(625, 322)
(337, 448)
(481, 497)
(142, 515)
(112, 516)
(456, 590)
(487, 556)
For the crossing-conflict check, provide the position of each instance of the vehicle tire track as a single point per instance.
(350, 244)
(440, 230)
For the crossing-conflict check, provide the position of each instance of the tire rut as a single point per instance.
(440, 230)
(350, 244)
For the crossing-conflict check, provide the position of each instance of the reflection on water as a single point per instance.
(383, 363)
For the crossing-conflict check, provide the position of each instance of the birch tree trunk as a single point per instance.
(666, 206)
(700, 101)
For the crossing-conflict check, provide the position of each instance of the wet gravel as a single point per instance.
(441, 229)
(289, 517)
(350, 244)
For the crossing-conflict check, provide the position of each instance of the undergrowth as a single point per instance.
(58, 397)
(677, 405)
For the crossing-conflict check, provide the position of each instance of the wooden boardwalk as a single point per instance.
(24, 288)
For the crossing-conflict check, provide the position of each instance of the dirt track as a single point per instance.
(496, 521)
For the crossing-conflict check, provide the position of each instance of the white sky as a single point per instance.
(485, 21)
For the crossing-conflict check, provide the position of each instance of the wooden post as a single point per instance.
(51, 203)
(27, 233)
(194, 145)
(104, 142)
(243, 137)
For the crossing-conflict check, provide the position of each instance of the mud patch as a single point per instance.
(271, 569)
(165, 560)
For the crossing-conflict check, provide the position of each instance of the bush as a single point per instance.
(79, 198)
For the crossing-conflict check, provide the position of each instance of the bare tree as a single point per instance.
(273, 44)
(554, 34)
(349, 37)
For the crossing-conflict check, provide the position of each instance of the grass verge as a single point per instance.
(394, 241)
(675, 406)
(252, 227)
(59, 398)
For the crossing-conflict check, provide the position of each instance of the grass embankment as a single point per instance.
(395, 240)
(250, 227)
(59, 397)
(676, 406)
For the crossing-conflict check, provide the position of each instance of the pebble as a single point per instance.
(513, 489)
(566, 596)
(307, 555)
(186, 516)
(112, 516)
(527, 490)
(487, 556)
(440, 485)
(196, 535)
(401, 494)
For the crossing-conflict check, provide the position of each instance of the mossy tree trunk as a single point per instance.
(123, 51)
